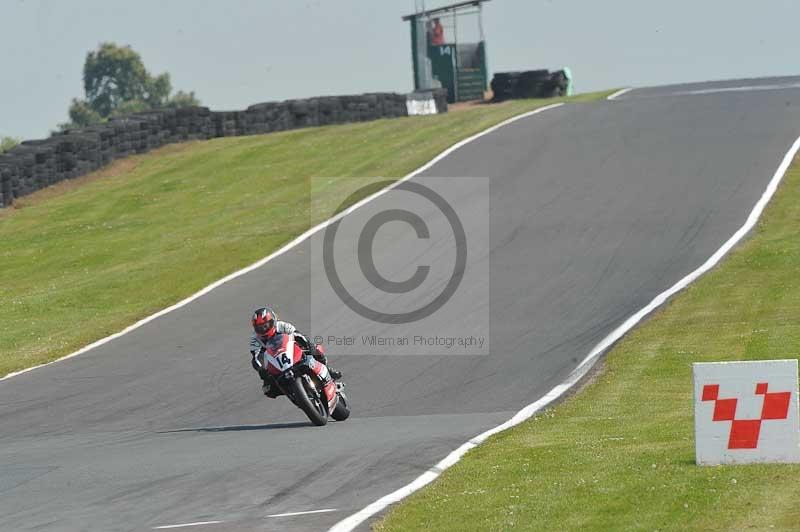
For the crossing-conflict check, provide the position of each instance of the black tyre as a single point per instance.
(310, 403)
(342, 410)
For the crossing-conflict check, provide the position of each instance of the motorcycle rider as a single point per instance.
(265, 326)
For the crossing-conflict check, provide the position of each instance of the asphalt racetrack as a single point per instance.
(582, 214)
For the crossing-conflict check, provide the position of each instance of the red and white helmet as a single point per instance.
(264, 322)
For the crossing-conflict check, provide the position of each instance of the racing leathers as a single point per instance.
(258, 346)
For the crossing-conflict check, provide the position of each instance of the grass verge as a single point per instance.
(620, 455)
(82, 260)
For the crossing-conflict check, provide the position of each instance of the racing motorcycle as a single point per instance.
(298, 375)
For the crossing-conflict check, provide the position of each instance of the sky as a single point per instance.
(235, 53)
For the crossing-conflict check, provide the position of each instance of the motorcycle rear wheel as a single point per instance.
(314, 408)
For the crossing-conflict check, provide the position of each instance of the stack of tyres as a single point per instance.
(504, 85)
(529, 84)
(556, 86)
(35, 164)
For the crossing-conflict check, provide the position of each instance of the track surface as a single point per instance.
(596, 208)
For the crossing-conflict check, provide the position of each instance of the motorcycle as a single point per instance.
(301, 378)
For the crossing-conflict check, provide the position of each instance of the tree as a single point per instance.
(81, 115)
(182, 99)
(116, 82)
(6, 143)
(131, 106)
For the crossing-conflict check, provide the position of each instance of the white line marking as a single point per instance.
(743, 88)
(288, 246)
(351, 522)
(618, 93)
(290, 514)
(188, 524)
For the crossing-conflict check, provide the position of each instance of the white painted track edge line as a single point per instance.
(298, 240)
(307, 512)
(183, 525)
(351, 522)
(619, 93)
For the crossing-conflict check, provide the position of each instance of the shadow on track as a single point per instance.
(239, 428)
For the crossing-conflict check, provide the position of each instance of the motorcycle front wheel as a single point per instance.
(310, 403)
(342, 410)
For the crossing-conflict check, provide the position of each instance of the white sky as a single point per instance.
(238, 52)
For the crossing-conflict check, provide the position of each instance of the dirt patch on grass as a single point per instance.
(462, 106)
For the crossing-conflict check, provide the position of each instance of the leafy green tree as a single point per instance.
(116, 82)
(182, 99)
(131, 106)
(6, 143)
(81, 115)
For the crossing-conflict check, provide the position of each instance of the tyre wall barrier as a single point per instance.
(36, 164)
(530, 84)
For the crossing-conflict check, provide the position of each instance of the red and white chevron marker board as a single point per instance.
(746, 412)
